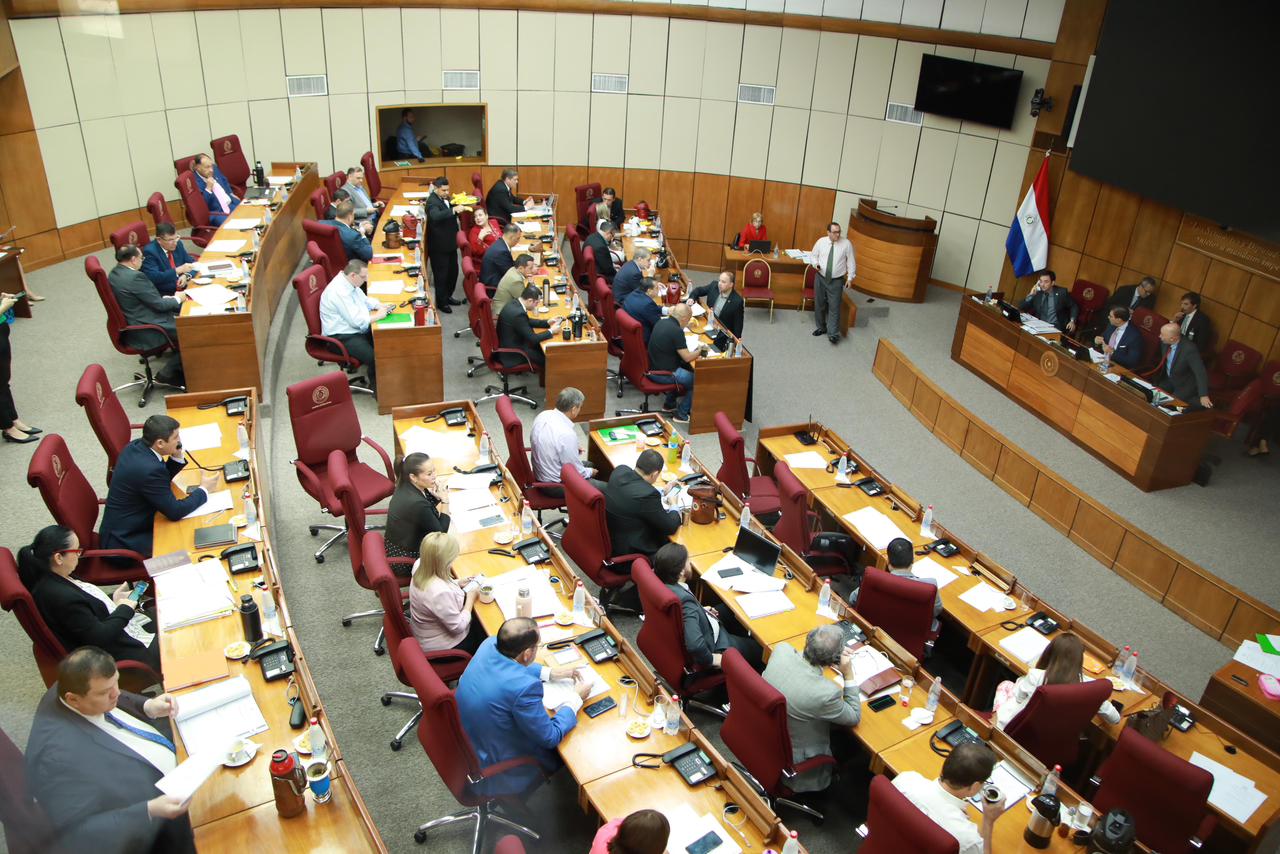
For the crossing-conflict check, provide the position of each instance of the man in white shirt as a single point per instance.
(554, 440)
(832, 257)
(348, 315)
(964, 772)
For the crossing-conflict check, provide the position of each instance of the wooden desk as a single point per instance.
(1144, 444)
(776, 628)
(1243, 704)
(786, 276)
(894, 254)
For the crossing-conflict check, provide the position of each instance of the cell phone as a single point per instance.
(599, 707)
(20, 295)
(879, 704)
(709, 842)
(139, 587)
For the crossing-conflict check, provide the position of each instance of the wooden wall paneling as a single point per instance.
(1073, 210)
(675, 200)
(746, 196)
(1078, 30)
(1097, 532)
(1152, 239)
(15, 111)
(1225, 284)
(1200, 601)
(951, 425)
(903, 386)
(1054, 501)
(925, 402)
(534, 179)
(710, 193)
(1167, 299)
(8, 53)
(1246, 620)
(1221, 317)
(176, 212)
(113, 221)
(82, 238)
(1016, 474)
(780, 203)
(981, 448)
(813, 214)
(43, 249)
(1262, 300)
(1065, 263)
(640, 185)
(1145, 565)
(708, 256)
(564, 179)
(885, 363)
(1249, 332)
(1097, 270)
(22, 176)
(679, 248)
(1112, 224)
(1186, 268)
(611, 177)
(4, 211)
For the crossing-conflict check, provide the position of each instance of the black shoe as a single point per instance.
(31, 431)
(446, 309)
(25, 441)
(818, 332)
(453, 301)
(835, 339)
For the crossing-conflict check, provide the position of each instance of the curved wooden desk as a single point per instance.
(894, 254)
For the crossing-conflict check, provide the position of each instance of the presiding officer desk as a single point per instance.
(236, 805)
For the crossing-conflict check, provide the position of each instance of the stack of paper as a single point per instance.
(687, 827)
(191, 593)
(470, 482)
(239, 224)
(452, 445)
(200, 437)
(1232, 792)
(869, 662)
(183, 781)
(219, 502)
(390, 288)
(211, 717)
(806, 460)
(559, 692)
(530, 227)
(543, 596)
(983, 597)
(279, 180)
(400, 210)
(929, 568)
(474, 510)
(419, 194)
(646, 243)
(225, 246)
(1010, 782)
(1252, 654)
(798, 255)
(1026, 644)
(874, 527)
(765, 604)
(211, 296)
(750, 580)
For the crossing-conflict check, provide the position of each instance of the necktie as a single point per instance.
(172, 265)
(831, 260)
(154, 737)
(1115, 336)
(1168, 362)
(1186, 321)
(1137, 295)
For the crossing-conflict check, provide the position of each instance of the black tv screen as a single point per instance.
(1179, 109)
(987, 94)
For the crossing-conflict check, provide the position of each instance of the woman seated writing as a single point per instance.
(418, 507)
(442, 612)
(1061, 663)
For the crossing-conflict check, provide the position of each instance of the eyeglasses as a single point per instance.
(76, 552)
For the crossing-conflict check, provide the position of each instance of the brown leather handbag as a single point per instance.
(706, 504)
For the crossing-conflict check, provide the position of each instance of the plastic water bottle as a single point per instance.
(257, 239)
(486, 448)
(319, 747)
(267, 216)
(526, 520)
(686, 451)
(935, 691)
(241, 305)
(1050, 785)
(745, 520)
(1122, 659)
(432, 320)
(267, 604)
(926, 524)
(242, 436)
(824, 596)
(987, 299)
(1130, 667)
(297, 174)
(524, 602)
(673, 447)
(792, 845)
(842, 469)
(672, 724)
(250, 509)
(579, 600)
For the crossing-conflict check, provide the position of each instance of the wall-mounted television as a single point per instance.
(958, 89)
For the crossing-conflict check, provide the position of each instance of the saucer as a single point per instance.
(252, 753)
(236, 650)
(204, 280)
(239, 520)
(503, 538)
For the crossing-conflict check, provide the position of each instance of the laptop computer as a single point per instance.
(759, 552)
(761, 246)
(252, 193)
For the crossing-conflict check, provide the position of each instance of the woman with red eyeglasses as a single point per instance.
(78, 613)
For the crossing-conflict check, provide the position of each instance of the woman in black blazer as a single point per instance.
(78, 613)
(418, 507)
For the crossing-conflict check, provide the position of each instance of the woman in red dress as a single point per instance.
(482, 234)
(754, 230)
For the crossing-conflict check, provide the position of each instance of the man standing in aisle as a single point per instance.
(442, 244)
(832, 257)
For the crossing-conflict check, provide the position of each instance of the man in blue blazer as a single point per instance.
(498, 258)
(141, 487)
(631, 274)
(640, 305)
(500, 702)
(355, 238)
(166, 262)
(216, 189)
(1122, 342)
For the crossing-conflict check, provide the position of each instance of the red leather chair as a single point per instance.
(324, 419)
(605, 310)
(757, 282)
(159, 209)
(493, 359)
(1051, 723)
(321, 199)
(583, 195)
(806, 291)
(577, 269)
(133, 234)
(759, 491)
(117, 328)
(202, 230)
(73, 504)
(797, 523)
(1148, 324)
(334, 182)
(26, 827)
(586, 538)
(479, 313)
(45, 646)
(1235, 366)
(230, 158)
(450, 751)
(1090, 297)
(1243, 407)
(661, 639)
(540, 495)
(106, 415)
(895, 825)
(635, 363)
(310, 285)
(185, 164)
(372, 180)
(1167, 796)
(903, 607)
(326, 238)
(756, 731)
(469, 279)
(509, 845)
(317, 256)
(477, 184)
(588, 265)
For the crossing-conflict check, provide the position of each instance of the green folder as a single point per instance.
(1268, 643)
(620, 435)
(396, 319)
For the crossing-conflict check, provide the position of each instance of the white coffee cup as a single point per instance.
(238, 751)
(486, 593)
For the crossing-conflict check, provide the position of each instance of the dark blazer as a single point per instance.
(496, 262)
(210, 199)
(1123, 296)
(77, 619)
(1037, 304)
(412, 515)
(442, 225)
(1187, 378)
(698, 636)
(731, 317)
(140, 488)
(1128, 350)
(627, 279)
(1199, 332)
(353, 241)
(515, 329)
(633, 509)
(501, 202)
(142, 303)
(639, 305)
(604, 261)
(94, 788)
(156, 266)
(616, 215)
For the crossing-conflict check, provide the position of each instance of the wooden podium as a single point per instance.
(894, 254)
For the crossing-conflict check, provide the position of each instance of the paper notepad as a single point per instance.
(226, 246)
(764, 604)
(506, 586)
(218, 502)
(211, 296)
(530, 227)
(1251, 653)
(806, 460)
(1026, 644)
(1011, 784)
(422, 194)
(191, 593)
(931, 569)
(201, 437)
(451, 446)
(240, 224)
(192, 773)
(983, 597)
(875, 527)
(1232, 792)
(750, 580)
(391, 288)
(560, 692)
(687, 827)
(210, 717)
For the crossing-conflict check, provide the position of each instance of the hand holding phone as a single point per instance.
(139, 588)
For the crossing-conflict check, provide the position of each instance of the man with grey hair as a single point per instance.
(814, 702)
(631, 274)
(348, 315)
(554, 440)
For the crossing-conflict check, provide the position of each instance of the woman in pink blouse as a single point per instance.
(642, 832)
(441, 611)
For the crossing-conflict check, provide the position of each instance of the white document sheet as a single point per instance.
(218, 502)
(530, 227)
(451, 446)
(875, 527)
(929, 568)
(1011, 784)
(470, 482)
(697, 309)
(227, 246)
(401, 210)
(201, 437)
(983, 597)
(210, 717)
(507, 585)
(1232, 792)
(1026, 644)
(239, 224)
(211, 296)
(806, 460)
(191, 593)
(868, 662)
(750, 581)
(687, 827)
(423, 194)
(1251, 653)
(466, 520)
(389, 288)
(558, 692)
(192, 773)
(765, 604)
(279, 180)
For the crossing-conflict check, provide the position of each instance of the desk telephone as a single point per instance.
(943, 547)
(533, 550)
(242, 558)
(955, 734)
(1042, 623)
(691, 763)
(870, 486)
(235, 471)
(599, 646)
(275, 658)
(456, 417)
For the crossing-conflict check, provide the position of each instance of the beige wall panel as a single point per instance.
(728, 4)
(724, 44)
(107, 150)
(963, 15)
(1043, 18)
(1007, 168)
(272, 134)
(502, 125)
(44, 70)
(573, 41)
(498, 65)
(970, 174)
(882, 10)
(787, 137)
(608, 130)
(751, 129)
(1034, 74)
(834, 73)
(843, 208)
(715, 136)
(610, 44)
(572, 126)
(648, 66)
(932, 175)
(536, 34)
(189, 131)
(460, 96)
(761, 48)
(988, 257)
(343, 52)
(922, 13)
(384, 69)
(412, 96)
(459, 39)
(897, 160)
(309, 124)
(535, 129)
(822, 150)
(765, 5)
(420, 43)
(87, 40)
(224, 80)
(956, 235)
(796, 65)
(860, 154)
(138, 85)
(263, 46)
(226, 119)
(349, 129)
(906, 71)
(686, 44)
(1004, 60)
(872, 71)
(149, 152)
(644, 138)
(679, 134)
(67, 170)
(175, 33)
(302, 33)
(1004, 17)
(842, 8)
(803, 7)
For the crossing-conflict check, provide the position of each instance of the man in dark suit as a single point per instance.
(93, 759)
(442, 243)
(498, 258)
(703, 643)
(1051, 303)
(724, 303)
(638, 521)
(1121, 341)
(1192, 322)
(141, 486)
(216, 189)
(609, 196)
(1141, 295)
(599, 241)
(640, 304)
(354, 237)
(142, 304)
(630, 274)
(502, 201)
(166, 262)
(1181, 372)
(515, 329)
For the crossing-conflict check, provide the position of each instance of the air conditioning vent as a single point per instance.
(748, 94)
(904, 114)
(462, 80)
(611, 83)
(307, 85)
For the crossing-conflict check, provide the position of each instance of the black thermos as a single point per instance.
(577, 320)
(259, 174)
(250, 619)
